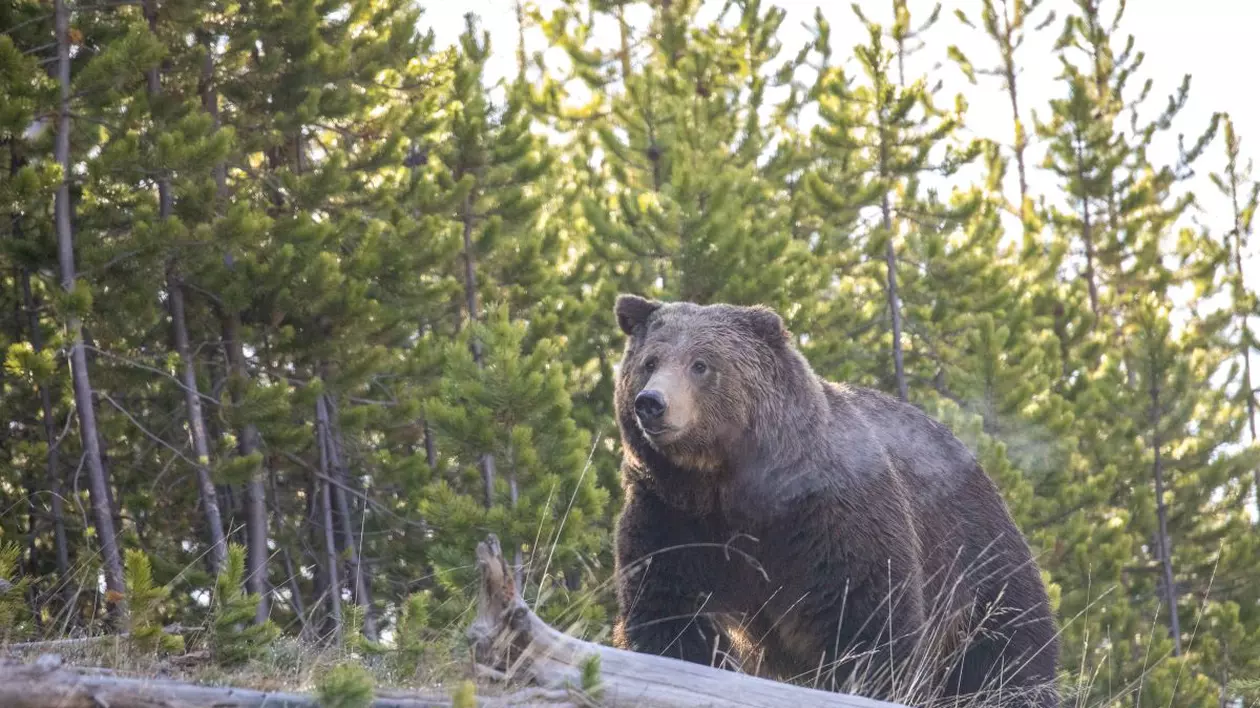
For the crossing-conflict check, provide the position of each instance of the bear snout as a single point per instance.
(649, 406)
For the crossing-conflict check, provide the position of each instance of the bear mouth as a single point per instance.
(655, 432)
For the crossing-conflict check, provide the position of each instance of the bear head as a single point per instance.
(695, 379)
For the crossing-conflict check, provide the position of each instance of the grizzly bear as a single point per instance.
(810, 531)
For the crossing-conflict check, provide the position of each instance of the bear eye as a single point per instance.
(699, 367)
(650, 365)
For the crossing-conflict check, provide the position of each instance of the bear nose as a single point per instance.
(649, 405)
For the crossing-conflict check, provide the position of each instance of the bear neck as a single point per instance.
(678, 486)
(783, 428)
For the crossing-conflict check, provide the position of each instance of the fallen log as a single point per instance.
(510, 644)
(47, 683)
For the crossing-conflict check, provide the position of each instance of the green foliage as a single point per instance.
(514, 404)
(410, 632)
(233, 636)
(592, 683)
(14, 613)
(146, 604)
(346, 685)
(432, 262)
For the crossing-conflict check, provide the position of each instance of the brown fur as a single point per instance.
(811, 530)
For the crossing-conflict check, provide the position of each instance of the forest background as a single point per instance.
(298, 301)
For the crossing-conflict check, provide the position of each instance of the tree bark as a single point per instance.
(326, 418)
(890, 260)
(1240, 289)
(1161, 510)
(331, 558)
(47, 684)
(98, 484)
(1087, 230)
(255, 492)
(361, 583)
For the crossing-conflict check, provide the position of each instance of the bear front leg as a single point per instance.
(664, 584)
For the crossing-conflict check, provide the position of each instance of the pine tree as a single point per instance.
(14, 614)
(1243, 192)
(146, 603)
(233, 636)
(879, 140)
(672, 207)
(513, 403)
(1008, 28)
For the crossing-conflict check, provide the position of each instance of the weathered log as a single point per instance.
(513, 642)
(47, 683)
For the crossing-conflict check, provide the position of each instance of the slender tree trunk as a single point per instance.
(97, 481)
(188, 373)
(623, 53)
(1087, 230)
(1165, 543)
(255, 493)
(1012, 92)
(470, 303)
(210, 104)
(326, 509)
(197, 427)
(290, 573)
(1240, 289)
(890, 251)
(326, 414)
(894, 306)
(430, 446)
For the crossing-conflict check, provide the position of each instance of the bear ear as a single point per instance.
(633, 311)
(767, 325)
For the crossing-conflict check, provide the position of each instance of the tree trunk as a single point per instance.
(1165, 543)
(111, 560)
(430, 446)
(210, 104)
(255, 492)
(326, 413)
(1087, 231)
(890, 261)
(179, 323)
(197, 427)
(286, 559)
(1240, 289)
(332, 558)
(894, 303)
(470, 303)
